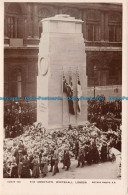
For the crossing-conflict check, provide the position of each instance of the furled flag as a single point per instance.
(64, 84)
(70, 94)
(79, 94)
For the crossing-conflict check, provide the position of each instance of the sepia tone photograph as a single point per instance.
(62, 90)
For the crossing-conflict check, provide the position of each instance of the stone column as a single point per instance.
(106, 28)
(81, 14)
(102, 26)
(17, 20)
(84, 24)
(29, 22)
(5, 27)
(6, 39)
(25, 28)
(35, 23)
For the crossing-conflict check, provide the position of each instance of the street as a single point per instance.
(105, 170)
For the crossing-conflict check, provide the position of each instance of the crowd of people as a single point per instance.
(36, 152)
(106, 115)
(17, 115)
(30, 151)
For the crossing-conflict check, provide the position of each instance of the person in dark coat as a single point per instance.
(6, 174)
(44, 162)
(14, 172)
(20, 159)
(66, 159)
(85, 152)
(104, 152)
(89, 154)
(118, 144)
(56, 159)
(25, 172)
(76, 149)
(36, 162)
(30, 161)
(81, 157)
(52, 161)
(20, 149)
(95, 153)
(70, 127)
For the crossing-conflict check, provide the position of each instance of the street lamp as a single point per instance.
(94, 69)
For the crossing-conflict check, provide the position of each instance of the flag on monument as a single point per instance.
(64, 84)
(79, 94)
(70, 94)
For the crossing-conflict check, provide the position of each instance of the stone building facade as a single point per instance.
(102, 31)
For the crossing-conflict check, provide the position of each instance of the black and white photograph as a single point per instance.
(62, 97)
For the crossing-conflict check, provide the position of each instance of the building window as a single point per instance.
(16, 83)
(93, 25)
(11, 27)
(14, 21)
(93, 32)
(115, 33)
(14, 27)
(115, 26)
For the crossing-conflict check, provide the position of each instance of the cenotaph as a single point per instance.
(61, 53)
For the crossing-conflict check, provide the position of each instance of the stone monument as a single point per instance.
(61, 53)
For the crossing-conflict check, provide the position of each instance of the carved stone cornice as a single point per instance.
(13, 52)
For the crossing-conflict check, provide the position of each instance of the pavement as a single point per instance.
(106, 170)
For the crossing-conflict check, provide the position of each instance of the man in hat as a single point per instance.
(25, 172)
(56, 159)
(18, 154)
(104, 152)
(66, 158)
(81, 157)
(20, 149)
(52, 161)
(44, 162)
(95, 153)
(76, 149)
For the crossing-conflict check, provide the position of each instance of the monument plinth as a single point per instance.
(61, 52)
